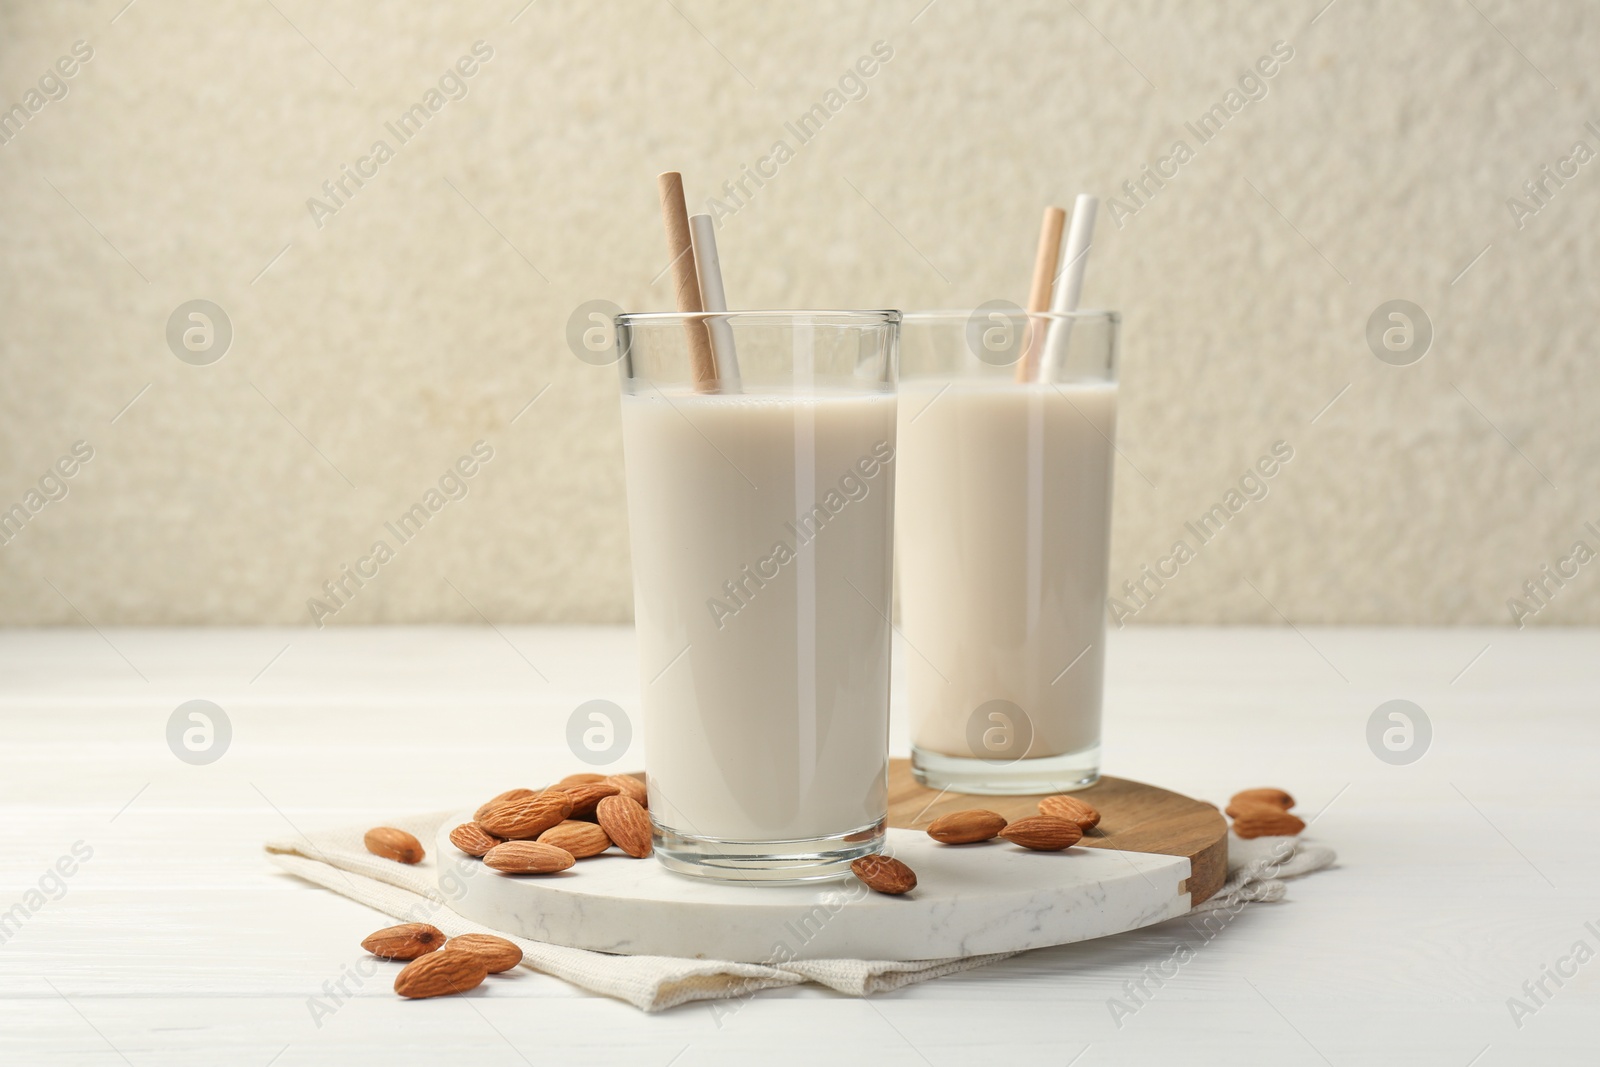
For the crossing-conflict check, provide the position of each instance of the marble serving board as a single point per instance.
(969, 900)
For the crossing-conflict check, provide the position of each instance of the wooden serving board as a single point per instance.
(1134, 817)
(1154, 856)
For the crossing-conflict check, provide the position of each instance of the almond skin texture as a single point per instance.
(1043, 833)
(439, 974)
(626, 823)
(1267, 822)
(1071, 809)
(473, 839)
(526, 819)
(581, 778)
(393, 844)
(885, 874)
(497, 953)
(582, 839)
(528, 857)
(966, 827)
(1236, 808)
(404, 942)
(631, 787)
(508, 795)
(1251, 798)
(585, 797)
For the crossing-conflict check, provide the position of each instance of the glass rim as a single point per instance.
(964, 314)
(863, 317)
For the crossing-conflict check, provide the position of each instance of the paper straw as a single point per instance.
(703, 233)
(1044, 274)
(1080, 238)
(685, 279)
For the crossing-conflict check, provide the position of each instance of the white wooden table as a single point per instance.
(1461, 877)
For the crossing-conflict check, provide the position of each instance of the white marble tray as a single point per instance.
(969, 900)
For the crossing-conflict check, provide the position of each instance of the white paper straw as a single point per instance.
(703, 233)
(1080, 238)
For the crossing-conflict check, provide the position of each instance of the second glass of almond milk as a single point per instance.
(1004, 511)
(760, 509)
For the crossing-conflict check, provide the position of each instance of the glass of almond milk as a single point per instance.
(1004, 508)
(760, 510)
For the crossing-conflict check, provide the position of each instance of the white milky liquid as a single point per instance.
(1004, 517)
(765, 703)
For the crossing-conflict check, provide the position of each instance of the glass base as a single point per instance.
(1048, 774)
(767, 862)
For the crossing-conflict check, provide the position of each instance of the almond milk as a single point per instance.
(1004, 515)
(761, 566)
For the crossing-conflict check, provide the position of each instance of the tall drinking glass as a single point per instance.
(1004, 508)
(761, 516)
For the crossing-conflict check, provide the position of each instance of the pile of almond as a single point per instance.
(527, 831)
(542, 831)
(463, 963)
(1060, 824)
(1263, 812)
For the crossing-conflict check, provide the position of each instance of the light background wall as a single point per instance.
(432, 307)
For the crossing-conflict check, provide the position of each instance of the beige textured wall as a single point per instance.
(428, 311)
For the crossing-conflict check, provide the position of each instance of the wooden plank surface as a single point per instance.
(1134, 817)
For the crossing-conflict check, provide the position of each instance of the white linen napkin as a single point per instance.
(336, 859)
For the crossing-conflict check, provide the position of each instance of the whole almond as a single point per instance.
(1249, 798)
(1071, 809)
(439, 974)
(965, 827)
(1237, 808)
(528, 857)
(473, 839)
(527, 818)
(509, 795)
(582, 839)
(631, 787)
(626, 823)
(1043, 833)
(885, 874)
(497, 953)
(404, 942)
(1266, 822)
(581, 778)
(393, 844)
(585, 797)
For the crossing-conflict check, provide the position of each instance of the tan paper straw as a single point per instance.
(1044, 273)
(686, 279)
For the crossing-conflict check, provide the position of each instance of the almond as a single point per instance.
(1043, 833)
(885, 874)
(497, 953)
(440, 974)
(585, 797)
(1266, 822)
(404, 942)
(528, 857)
(1071, 809)
(527, 818)
(631, 787)
(582, 839)
(473, 839)
(965, 827)
(393, 844)
(508, 795)
(1250, 798)
(581, 778)
(626, 823)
